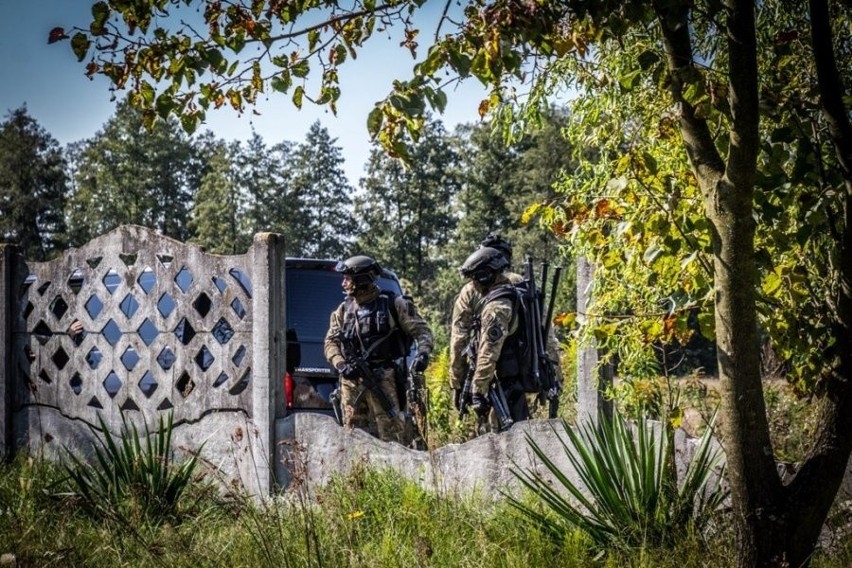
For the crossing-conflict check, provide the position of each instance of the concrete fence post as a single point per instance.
(268, 333)
(592, 378)
(7, 382)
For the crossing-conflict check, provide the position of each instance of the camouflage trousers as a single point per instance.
(360, 405)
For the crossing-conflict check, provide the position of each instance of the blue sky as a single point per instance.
(52, 84)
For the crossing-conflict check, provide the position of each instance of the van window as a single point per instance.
(311, 297)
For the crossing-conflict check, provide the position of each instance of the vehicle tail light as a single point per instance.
(288, 390)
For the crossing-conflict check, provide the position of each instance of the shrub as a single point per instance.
(632, 496)
(132, 479)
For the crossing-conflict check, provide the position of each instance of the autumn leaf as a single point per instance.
(484, 106)
(56, 34)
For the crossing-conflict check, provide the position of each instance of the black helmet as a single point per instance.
(483, 265)
(495, 241)
(363, 269)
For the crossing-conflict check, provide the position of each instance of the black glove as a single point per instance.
(419, 363)
(347, 371)
(480, 403)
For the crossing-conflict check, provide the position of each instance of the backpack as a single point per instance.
(518, 356)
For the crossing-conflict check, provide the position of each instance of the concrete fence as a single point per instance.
(167, 329)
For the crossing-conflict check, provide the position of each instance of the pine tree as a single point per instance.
(127, 174)
(263, 179)
(405, 214)
(33, 187)
(215, 215)
(319, 185)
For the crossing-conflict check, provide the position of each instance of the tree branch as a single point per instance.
(679, 53)
(831, 87)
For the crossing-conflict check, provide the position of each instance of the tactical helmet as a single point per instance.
(484, 265)
(362, 269)
(495, 241)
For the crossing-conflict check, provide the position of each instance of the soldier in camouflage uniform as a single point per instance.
(465, 308)
(378, 322)
(497, 322)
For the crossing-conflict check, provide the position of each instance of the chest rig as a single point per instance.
(374, 327)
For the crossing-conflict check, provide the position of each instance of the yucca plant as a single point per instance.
(134, 476)
(629, 495)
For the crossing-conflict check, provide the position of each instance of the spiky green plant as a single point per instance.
(628, 495)
(133, 477)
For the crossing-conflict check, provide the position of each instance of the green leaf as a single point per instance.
(650, 163)
(100, 15)
(282, 82)
(374, 121)
(459, 61)
(147, 92)
(707, 325)
(433, 62)
(189, 123)
(80, 45)
(313, 38)
(694, 92)
(340, 54)
(236, 43)
(165, 105)
(216, 60)
(629, 80)
(298, 94)
(301, 69)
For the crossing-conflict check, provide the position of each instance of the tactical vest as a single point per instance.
(375, 326)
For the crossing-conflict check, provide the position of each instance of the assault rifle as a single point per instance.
(417, 398)
(496, 395)
(351, 351)
(538, 329)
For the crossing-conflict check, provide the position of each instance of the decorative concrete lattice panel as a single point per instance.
(167, 328)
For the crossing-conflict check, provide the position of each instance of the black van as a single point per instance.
(313, 290)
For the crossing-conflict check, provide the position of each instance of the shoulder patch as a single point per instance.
(494, 332)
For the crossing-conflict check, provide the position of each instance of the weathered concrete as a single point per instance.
(313, 448)
(592, 378)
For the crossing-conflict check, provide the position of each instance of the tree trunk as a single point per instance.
(776, 525)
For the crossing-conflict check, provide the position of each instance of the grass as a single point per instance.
(367, 518)
(133, 479)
